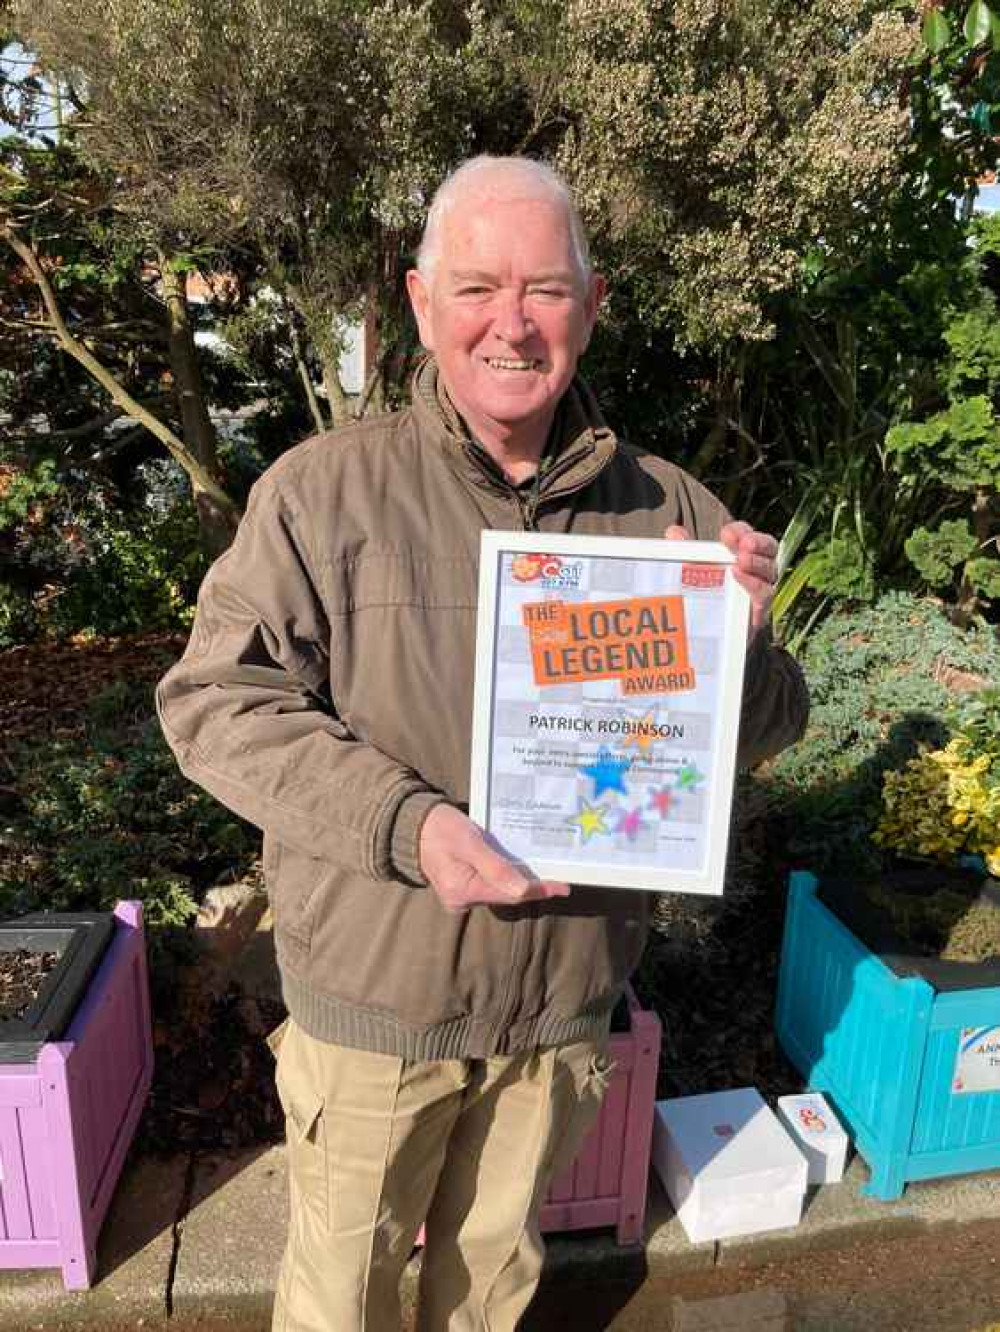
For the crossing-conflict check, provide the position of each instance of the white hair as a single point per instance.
(489, 177)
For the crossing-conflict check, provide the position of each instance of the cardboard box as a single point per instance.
(728, 1166)
(817, 1133)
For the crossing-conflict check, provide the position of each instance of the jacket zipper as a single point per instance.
(523, 930)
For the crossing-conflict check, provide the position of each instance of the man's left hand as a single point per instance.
(756, 567)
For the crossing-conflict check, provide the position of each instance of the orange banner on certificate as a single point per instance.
(641, 642)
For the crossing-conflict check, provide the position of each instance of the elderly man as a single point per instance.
(444, 1054)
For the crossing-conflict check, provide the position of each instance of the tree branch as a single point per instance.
(199, 475)
(69, 434)
(376, 372)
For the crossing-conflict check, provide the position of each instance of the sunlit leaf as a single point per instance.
(978, 23)
(793, 585)
(937, 31)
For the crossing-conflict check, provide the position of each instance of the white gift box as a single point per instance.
(728, 1166)
(817, 1133)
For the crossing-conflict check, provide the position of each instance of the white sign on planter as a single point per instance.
(977, 1064)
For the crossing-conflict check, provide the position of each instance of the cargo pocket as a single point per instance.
(585, 1076)
(275, 1037)
(305, 1133)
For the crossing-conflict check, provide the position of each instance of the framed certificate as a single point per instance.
(609, 674)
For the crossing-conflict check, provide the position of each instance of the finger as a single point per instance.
(543, 888)
(760, 590)
(740, 536)
(675, 532)
(733, 534)
(498, 874)
(762, 567)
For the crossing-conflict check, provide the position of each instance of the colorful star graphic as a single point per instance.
(589, 819)
(643, 742)
(660, 800)
(631, 824)
(608, 772)
(689, 778)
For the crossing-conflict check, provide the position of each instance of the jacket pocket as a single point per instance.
(293, 882)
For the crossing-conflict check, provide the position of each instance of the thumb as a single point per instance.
(677, 533)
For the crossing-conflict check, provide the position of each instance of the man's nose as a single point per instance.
(513, 324)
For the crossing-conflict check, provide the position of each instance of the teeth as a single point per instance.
(504, 363)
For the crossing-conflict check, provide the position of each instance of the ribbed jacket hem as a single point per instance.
(329, 1019)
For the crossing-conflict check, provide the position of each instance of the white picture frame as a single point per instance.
(609, 678)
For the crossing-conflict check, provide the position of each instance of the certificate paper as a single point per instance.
(609, 675)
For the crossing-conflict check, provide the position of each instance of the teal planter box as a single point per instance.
(883, 1048)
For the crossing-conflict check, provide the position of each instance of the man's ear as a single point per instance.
(420, 300)
(595, 296)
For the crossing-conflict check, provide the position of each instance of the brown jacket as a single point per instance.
(326, 695)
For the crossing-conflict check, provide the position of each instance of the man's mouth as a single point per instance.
(511, 363)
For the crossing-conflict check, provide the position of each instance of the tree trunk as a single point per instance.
(969, 600)
(303, 369)
(340, 412)
(196, 425)
(373, 398)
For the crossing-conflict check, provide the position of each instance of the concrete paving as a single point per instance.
(197, 1245)
(134, 1262)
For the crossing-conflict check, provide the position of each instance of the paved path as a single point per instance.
(198, 1244)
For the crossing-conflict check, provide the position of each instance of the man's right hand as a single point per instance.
(464, 870)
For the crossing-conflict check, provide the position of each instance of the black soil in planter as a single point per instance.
(908, 915)
(45, 987)
(21, 975)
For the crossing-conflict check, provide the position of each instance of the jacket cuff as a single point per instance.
(756, 656)
(404, 839)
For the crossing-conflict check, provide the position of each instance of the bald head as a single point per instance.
(485, 179)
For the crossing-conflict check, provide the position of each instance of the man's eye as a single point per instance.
(473, 291)
(550, 293)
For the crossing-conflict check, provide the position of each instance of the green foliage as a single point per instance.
(946, 802)
(843, 569)
(140, 574)
(937, 554)
(958, 448)
(84, 558)
(22, 490)
(877, 677)
(955, 96)
(984, 576)
(711, 145)
(107, 815)
(18, 619)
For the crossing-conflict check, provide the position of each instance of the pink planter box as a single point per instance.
(606, 1184)
(67, 1119)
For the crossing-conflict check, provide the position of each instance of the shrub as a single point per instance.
(82, 556)
(878, 679)
(104, 814)
(946, 802)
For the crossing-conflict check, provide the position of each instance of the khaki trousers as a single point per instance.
(378, 1145)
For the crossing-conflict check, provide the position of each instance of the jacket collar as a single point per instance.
(582, 445)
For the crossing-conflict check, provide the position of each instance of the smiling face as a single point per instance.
(507, 314)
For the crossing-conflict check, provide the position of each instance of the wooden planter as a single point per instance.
(884, 1049)
(606, 1184)
(67, 1118)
